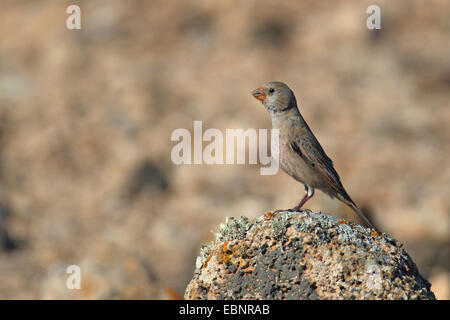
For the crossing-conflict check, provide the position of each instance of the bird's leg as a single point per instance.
(309, 193)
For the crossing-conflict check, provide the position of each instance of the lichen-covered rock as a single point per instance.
(304, 255)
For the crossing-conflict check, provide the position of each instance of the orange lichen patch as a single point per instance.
(205, 264)
(232, 255)
(374, 233)
(223, 257)
(269, 215)
(223, 253)
(342, 222)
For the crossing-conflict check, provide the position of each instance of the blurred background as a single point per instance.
(86, 117)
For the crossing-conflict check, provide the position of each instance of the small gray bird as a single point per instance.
(301, 155)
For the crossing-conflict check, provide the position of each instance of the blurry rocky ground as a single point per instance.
(86, 118)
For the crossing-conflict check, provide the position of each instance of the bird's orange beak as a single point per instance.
(259, 94)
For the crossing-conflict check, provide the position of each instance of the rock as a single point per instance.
(304, 255)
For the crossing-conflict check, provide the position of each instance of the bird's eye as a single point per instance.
(271, 90)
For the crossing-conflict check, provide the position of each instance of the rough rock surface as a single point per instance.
(304, 255)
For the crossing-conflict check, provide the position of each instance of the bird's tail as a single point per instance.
(349, 202)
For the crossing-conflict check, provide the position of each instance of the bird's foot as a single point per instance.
(281, 210)
(296, 209)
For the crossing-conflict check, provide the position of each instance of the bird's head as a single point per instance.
(276, 97)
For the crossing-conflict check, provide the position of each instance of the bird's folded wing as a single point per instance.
(308, 148)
